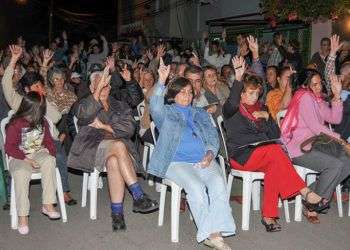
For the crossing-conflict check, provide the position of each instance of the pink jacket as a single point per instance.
(311, 121)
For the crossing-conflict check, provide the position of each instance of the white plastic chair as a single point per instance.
(309, 176)
(140, 109)
(251, 191)
(280, 115)
(91, 181)
(251, 187)
(220, 121)
(175, 203)
(175, 198)
(148, 149)
(34, 176)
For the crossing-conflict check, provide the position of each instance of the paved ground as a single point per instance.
(143, 233)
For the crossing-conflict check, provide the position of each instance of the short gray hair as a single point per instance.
(94, 75)
(55, 71)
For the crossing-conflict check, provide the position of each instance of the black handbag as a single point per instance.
(325, 144)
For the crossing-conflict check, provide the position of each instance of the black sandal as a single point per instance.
(315, 207)
(271, 228)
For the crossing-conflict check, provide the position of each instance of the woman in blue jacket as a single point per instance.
(185, 153)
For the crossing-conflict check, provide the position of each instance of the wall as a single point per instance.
(186, 19)
(319, 30)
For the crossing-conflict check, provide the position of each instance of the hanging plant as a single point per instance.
(305, 10)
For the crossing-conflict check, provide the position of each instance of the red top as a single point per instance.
(20, 140)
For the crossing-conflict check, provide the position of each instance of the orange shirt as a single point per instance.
(273, 102)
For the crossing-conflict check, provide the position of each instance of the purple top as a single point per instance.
(311, 121)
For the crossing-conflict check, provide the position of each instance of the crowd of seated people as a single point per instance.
(182, 91)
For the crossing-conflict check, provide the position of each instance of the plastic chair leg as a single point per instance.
(13, 209)
(93, 194)
(349, 205)
(60, 196)
(144, 157)
(256, 195)
(298, 208)
(175, 211)
(84, 189)
(229, 185)
(246, 199)
(339, 200)
(163, 189)
(286, 210)
(100, 182)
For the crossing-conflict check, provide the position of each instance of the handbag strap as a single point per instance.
(307, 142)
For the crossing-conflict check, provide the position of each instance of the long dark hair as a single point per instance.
(33, 109)
(174, 87)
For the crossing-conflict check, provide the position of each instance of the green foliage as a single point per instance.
(306, 10)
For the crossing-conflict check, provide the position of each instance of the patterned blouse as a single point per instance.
(63, 100)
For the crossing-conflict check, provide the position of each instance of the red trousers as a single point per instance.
(281, 179)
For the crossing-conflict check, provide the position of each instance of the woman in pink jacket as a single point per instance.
(306, 117)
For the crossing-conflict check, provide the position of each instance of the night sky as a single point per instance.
(31, 19)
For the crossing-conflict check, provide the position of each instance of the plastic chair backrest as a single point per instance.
(280, 115)
(141, 109)
(153, 131)
(220, 121)
(75, 120)
(4, 122)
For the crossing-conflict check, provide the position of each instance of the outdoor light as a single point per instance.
(347, 24)
(21, 2)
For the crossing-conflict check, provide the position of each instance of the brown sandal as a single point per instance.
(311, 218)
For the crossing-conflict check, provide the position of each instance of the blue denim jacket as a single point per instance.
(171, 124)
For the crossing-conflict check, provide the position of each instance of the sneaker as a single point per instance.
(52, 215)
(145, 205)
(118, 222)
(23, 229)
(217, 243)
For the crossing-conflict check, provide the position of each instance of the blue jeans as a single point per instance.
(206, 195)
(61, 163)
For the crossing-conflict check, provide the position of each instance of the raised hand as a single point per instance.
(335, 45)
(47, 56)
(110, 62)
(163, 71)
(239, 66)
(336, 86)
(125, 73)
(16, 52)
(160, 51)
(253, 46)
(195, 60)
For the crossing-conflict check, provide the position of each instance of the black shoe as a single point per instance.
(6, 206)
(316, 207)
(71, 202)
(271, 228)
(145, 205)
(118, 223)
